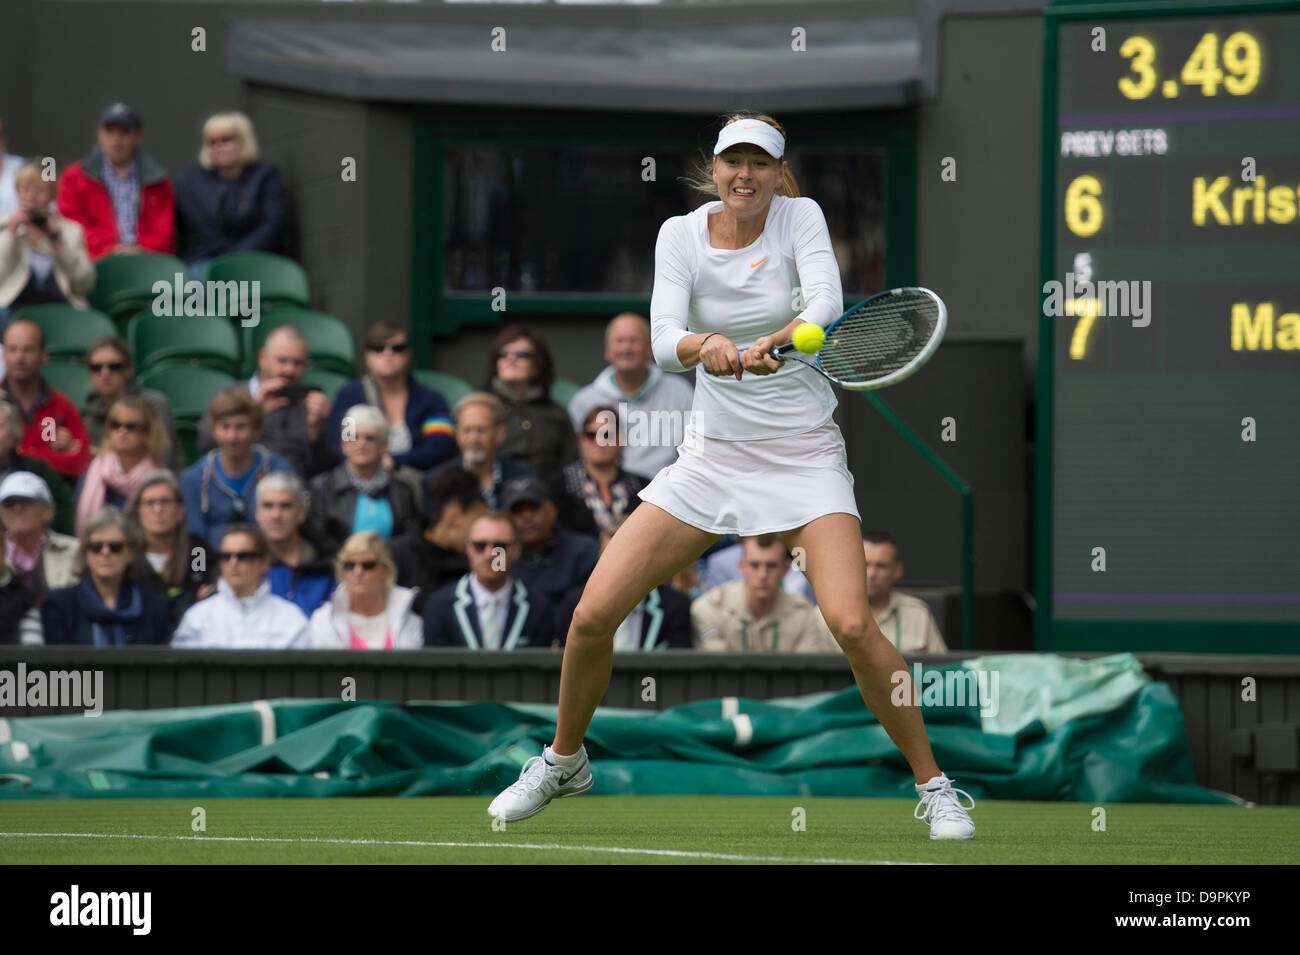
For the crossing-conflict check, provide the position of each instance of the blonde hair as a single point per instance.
(237, 124)
(155, 434)
(700, 178)
(33, 172)
(366, 542)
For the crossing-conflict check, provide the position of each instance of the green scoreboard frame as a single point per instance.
(1168, 470)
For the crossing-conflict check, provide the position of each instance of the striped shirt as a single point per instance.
(125, 193)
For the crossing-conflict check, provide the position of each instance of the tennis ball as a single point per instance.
(808, 338)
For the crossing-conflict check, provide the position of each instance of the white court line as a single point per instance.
(674, 853)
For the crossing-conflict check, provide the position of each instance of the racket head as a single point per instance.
(883, 339)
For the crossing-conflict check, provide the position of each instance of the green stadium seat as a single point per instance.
(449, 386)
(70, 377)
(327, 381)
(206, 340)
(69, 331)
(563, 390)
(189, 389)
(282, 279)
(329, 339)
(124, 283)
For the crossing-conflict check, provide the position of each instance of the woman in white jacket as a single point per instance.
(367, 611)
(42, 255)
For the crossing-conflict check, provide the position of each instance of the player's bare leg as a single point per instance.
(648, 548)
(837, 569)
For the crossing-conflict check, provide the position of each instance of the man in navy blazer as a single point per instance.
(489, 608)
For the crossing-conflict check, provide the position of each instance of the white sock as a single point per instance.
(555, 759)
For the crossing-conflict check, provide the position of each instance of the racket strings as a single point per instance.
(880, 338)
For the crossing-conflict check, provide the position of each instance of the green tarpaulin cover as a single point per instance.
(1010, 727)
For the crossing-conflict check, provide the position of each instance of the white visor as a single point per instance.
(753, 131)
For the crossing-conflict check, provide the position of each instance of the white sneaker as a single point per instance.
(539, 783)
(941, 808)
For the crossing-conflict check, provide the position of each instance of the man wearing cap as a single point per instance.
(43, 559)
(555, 562)
(119, 194)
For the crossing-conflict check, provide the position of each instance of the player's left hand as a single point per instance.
(755, 358)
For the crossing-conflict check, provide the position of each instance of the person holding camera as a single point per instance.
(293, 415)
(42, 255)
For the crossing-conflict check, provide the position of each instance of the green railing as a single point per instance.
(967, 512)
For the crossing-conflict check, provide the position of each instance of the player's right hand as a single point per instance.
(719, 357)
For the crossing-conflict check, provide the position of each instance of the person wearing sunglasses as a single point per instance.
(112, 376)
(243, 614)
(538, 431)
(489, 608)
(656, 403)
(362, 493)
(107, 607)
(368, 610)
(420, 433)
(42, 559)
(178, 565)
(594, 493)
(135, 446)
(229, 200)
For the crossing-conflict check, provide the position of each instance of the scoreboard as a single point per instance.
(1168, 512)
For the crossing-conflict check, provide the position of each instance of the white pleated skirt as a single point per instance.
(756, 487)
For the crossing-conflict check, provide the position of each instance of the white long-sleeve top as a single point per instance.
(224, 621)
(745, 294)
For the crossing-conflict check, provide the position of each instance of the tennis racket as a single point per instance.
(878, 342)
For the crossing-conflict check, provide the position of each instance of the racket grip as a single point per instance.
(781, 350)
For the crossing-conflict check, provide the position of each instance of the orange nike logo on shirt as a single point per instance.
(754, 265)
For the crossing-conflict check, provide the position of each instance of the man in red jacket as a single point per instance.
(118, 193)
(54, 432)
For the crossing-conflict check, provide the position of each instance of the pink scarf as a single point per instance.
(105, 472)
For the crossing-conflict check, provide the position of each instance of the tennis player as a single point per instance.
(761, 454)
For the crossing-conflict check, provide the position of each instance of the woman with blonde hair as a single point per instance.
(43, 256)
(229, 200)
(762, 455)
(367, 611)
(135, 446)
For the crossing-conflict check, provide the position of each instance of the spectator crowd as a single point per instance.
(381, 519)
